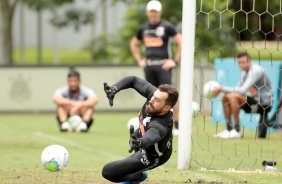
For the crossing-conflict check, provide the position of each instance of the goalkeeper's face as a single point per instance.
(157, 105)
(74, 84)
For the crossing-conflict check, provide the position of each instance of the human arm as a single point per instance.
(247, 81)
(59, 99)
(136, 52)
(151, 136)
(143, 87)
(88, 103)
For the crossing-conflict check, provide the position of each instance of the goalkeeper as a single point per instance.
(253, 94)
(152, 141)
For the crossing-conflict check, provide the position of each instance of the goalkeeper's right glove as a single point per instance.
(110, 92)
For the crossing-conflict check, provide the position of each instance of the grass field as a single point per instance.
(24, 136)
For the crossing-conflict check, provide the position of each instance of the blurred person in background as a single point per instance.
(156, 36)
(75, 99)
(253, 94)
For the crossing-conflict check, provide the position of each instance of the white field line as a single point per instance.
(73, 144)
(79, 146)
(68, 142)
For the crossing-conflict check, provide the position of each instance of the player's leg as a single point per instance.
(252, 106)
(226, 104)
(62, 117)
(151, 75)
(128, 169)
(238, 102)
(86, 114)
(231, 103)
(263, 122)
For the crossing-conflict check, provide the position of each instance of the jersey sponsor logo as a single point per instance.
(253, 91)
(160, 31)
(150, 41)
(144, 158)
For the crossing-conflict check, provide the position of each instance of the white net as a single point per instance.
(225, 28)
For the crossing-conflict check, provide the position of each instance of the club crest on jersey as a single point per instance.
(146, 120)
(160, 31)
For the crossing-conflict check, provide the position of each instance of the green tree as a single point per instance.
(74, 17)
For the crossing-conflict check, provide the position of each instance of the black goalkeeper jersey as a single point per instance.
(158, 129)
(156, 39)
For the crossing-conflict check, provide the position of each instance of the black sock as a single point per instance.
(176, 125)
(237, 128)
(228, 126)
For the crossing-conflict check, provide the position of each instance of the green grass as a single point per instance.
(24, 136)
(66, 56)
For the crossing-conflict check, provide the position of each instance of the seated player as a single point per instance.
(253, 94)
(75, 99)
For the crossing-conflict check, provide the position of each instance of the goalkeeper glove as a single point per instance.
(110, 92)
(134, 142)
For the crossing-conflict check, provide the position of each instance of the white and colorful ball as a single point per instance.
(74, 121)
(208, 89)
(133, 121)
(54, 158)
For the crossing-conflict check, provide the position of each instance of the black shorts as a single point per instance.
(252, 106)
(157, 76)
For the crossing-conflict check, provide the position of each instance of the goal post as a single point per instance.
(186, 83)
(213, 33)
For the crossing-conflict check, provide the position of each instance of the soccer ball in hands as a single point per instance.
(208, 90)
(74, 121)
(133, 121)
(54, 158)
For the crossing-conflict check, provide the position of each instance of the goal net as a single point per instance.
(225, 28)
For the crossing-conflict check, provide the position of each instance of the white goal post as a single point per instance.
(186, 83)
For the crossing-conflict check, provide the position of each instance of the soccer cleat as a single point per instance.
(228, 134)
(82, 127)
(142, 178)
(223, 133)
(65, 127)
(235, 134)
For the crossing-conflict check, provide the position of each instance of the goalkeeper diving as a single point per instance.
(152, 141)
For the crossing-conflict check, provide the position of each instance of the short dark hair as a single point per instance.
(243, 54)
(73, 73)
(172, 93)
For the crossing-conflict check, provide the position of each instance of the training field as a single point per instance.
(24, 136)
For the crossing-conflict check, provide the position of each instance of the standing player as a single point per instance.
(253, 94)
(156, 34)
(75, 99)
(152, 142)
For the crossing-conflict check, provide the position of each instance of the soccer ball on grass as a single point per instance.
(74, 121)
(54, 158)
